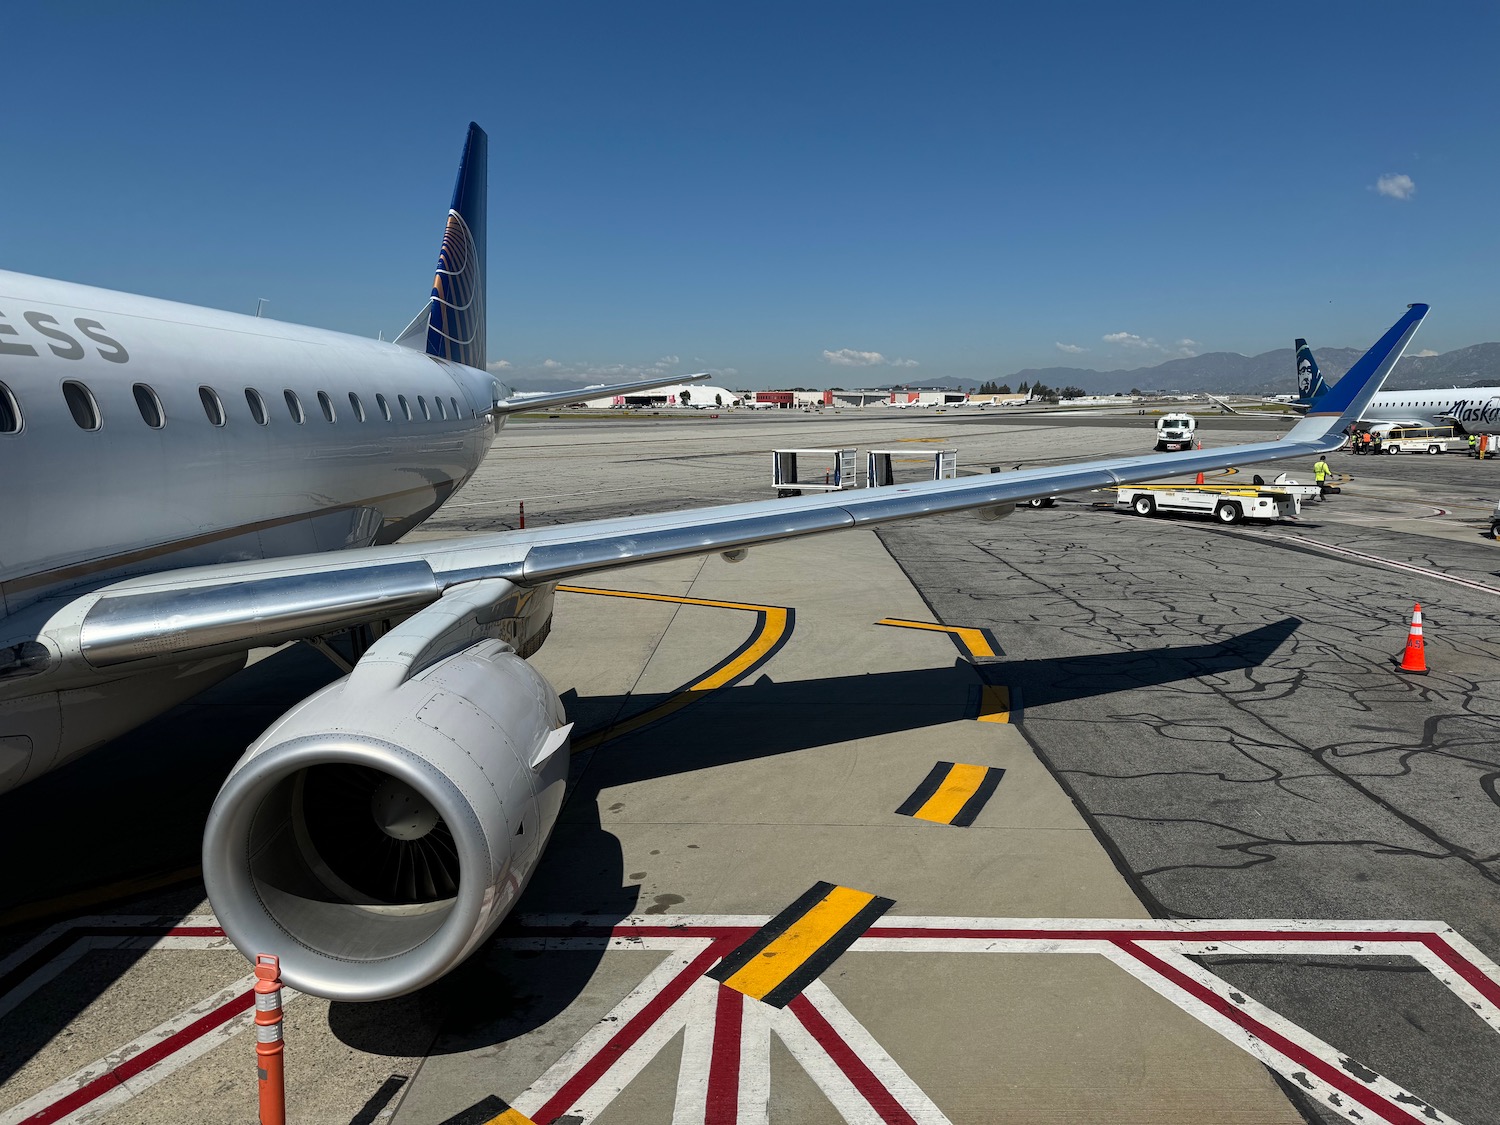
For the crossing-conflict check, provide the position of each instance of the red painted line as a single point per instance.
(737, 933)
(593, 1070)
(149, 1057)
(881, 1100)
(1334, 1077)
(1465, 968)
(1151, 935)
(724, 1066)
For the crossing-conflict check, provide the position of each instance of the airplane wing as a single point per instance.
(525, 401)
(232, 607)
(1227, 409)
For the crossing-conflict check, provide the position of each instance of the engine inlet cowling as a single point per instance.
(373, 843)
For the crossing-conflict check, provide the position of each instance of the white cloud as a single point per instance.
(1071, 349)
(1130, 340)
(848, 357)
(499, 364)
(668, 361)
(1396, 186)
(1187, 348)
(551, 364)
(1424, 353)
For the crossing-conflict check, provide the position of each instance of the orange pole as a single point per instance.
(269, 1064)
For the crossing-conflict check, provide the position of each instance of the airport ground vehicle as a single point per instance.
(1421, 439)
(1227, 504)
(1175, 432)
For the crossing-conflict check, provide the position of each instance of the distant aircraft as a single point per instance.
(183, 485)
(1472, 410)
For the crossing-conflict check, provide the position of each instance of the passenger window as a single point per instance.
(149, 406)
(81, 404)
(10, 412)
(211, 405)
(385, 407)
(405, 406)
(426, 414)
(457, 413)
(294, 406)
(257, 406)
(438, 402)
(358, 407)
(326, 404)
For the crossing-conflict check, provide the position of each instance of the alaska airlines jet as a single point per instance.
(184, 485)
(1471, 410)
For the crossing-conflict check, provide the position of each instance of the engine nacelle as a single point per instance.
(376, 834)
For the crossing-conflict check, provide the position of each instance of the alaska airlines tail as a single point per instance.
(1310, 385)
(453, 324)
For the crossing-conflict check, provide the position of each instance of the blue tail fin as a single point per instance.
(453, 325)
(1310, 385)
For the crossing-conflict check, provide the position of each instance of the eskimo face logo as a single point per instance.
(1304, 376)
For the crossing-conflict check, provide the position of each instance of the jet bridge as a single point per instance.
(880, 464)
(819, 470)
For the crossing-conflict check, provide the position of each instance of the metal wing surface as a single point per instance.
(219, 608)
(526, 401)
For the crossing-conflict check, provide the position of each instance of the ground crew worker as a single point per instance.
(1473, 445)
(1320, 475)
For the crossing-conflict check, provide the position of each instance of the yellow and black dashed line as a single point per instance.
(992, 704)
(953, 793)
(976, 644)
(490, 1111)
(790, 951)
(773, 628)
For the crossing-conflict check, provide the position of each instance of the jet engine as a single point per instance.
(377, 833)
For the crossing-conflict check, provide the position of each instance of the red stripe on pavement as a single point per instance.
(591, 1071)
(739, 933)
(149, 1057)
(724, 1067)
(1149, 935)
(881, 1100)
(1465, 968)
(1340, 1081)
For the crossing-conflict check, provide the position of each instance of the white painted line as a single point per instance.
(116, 1095)
(1410, 568)
(699, 1012)
(596, 1038)
(1382, 1087)
(897, 1082)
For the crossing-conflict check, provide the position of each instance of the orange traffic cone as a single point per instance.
(1414, 659)
(1199, 480)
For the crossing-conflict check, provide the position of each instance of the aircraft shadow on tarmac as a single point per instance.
(139, 804)
(503, 994)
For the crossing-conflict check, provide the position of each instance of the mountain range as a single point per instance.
(1272, 373)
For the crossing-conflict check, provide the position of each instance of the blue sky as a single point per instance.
(816, 194)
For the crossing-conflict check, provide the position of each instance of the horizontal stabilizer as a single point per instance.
(520, 405)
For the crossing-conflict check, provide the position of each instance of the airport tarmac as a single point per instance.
(1201, 723)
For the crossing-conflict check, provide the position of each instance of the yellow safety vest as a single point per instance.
(1321, 470)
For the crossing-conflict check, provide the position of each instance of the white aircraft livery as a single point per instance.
(184, 485)
(1473, 410)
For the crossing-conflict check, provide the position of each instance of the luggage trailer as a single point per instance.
(1225, 504)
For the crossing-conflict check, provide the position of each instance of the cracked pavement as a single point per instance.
(1304, 779)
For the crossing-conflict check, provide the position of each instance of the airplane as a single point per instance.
(185, 485)
(1470, 410)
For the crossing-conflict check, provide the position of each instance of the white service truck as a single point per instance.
(1175, 432)
(1226, 504)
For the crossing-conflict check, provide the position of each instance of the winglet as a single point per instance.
(1348, 398)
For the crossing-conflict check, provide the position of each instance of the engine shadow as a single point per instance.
(502, 994)
(124, 819)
